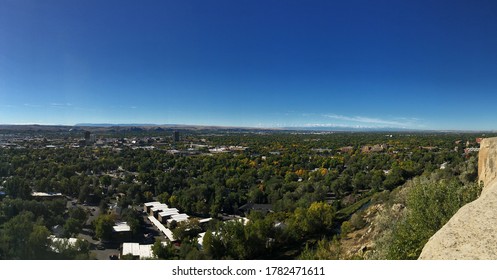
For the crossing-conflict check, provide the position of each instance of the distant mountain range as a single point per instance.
(350, 129)
(120, 124)
(108, 127)
(303, 128)
(166, 126)
(163, 127)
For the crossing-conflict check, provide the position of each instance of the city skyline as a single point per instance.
(419, 65)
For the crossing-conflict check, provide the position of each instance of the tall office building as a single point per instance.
(176, 136)
(87, 137)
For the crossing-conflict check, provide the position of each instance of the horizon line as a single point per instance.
(281, 128)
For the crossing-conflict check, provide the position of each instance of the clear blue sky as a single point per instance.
(271, 63)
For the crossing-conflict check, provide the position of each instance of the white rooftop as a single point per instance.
(169, 212)
(44, 194)
(200, 239)
(241, 219)
(122, 227)
(167, 232)
(159, 207)
(152, 203)
(205, 220)
(69, 242)
(135, 249)
(178, 218)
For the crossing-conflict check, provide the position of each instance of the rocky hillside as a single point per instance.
(471, 233)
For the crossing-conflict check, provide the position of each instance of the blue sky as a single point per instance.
(367, 64)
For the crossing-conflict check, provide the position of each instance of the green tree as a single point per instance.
(189, 250)
(212, 245)
(163, 251)
(394, 178)
(104, 226)
(105, 180)
(187, 229)
(163, 197)
(21, 238)
(319, 217)
(132, 218)
(72, 227)
(345, 229)
(64, 250)
(431, 204)
(39, 242)
(325, 250)
(17, 187)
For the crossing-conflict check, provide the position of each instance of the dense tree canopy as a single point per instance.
(311, 182)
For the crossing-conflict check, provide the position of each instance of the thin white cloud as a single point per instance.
(398, 122)
(54, 104)
(409, 119)
(308, 115)
(338, 125)
(32, 105)
(120, 107)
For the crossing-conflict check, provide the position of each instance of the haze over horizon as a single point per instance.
(427, 65)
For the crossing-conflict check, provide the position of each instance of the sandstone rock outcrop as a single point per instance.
(487, 162)
(472, 232)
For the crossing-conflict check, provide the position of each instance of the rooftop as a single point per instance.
(45, 194)
(152, 203)
(169, 212)
(159, 207)
(137, 250)
(178, 218)
(167, 232)
(122, 227)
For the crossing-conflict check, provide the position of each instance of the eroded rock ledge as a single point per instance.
(472, 232)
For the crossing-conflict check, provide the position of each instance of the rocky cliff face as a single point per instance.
(487, 159)
(472, 232)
